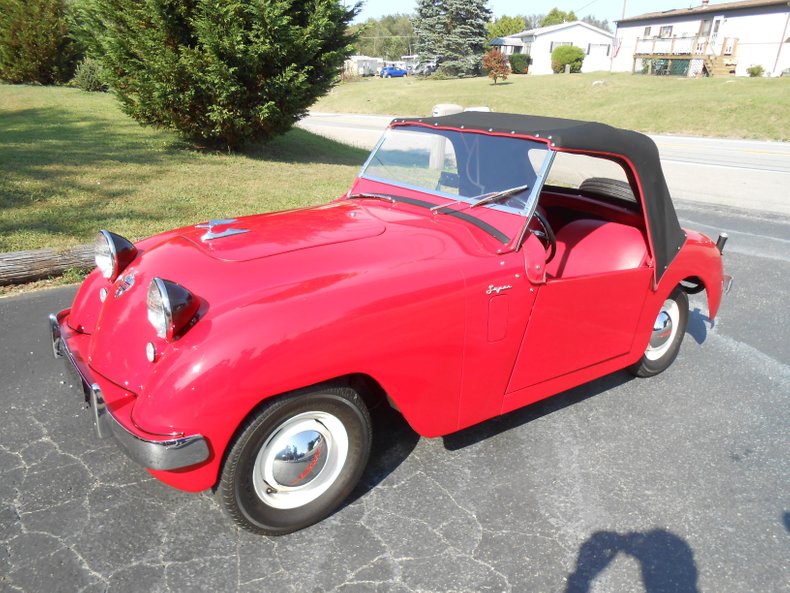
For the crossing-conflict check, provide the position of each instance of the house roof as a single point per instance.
(702, 9)
(552, 28)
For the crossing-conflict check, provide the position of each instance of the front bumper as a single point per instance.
(169, 454)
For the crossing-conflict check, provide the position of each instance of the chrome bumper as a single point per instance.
(160, 455)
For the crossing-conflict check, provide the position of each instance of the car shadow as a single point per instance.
(393, 442)
(665, 560)
(516, 418)
(698, 325)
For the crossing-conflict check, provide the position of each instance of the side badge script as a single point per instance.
(497, 289)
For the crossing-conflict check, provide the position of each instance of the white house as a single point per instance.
(710, 39)
(540, 42)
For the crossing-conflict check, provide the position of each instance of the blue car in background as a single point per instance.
(392, 71)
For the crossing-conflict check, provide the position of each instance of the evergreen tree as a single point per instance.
(35, 41)
(454, 31)
(221, 72)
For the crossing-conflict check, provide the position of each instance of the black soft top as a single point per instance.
(635, 149)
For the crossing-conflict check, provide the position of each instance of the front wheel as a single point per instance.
(296, 460)
(668, 330)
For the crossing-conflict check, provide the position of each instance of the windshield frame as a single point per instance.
(530, 200)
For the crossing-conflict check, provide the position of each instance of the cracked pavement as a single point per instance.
(679, 483)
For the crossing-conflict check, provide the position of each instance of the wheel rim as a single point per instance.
(664, 330)
(300, 460)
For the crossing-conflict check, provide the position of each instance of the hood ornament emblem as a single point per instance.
(210, 234)
(125, 284)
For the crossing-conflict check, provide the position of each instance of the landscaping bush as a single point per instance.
(89, 76)
(496, 65)
(567, 55)
(223, 73)
(519, 63)
(755, 71)
(35, 42)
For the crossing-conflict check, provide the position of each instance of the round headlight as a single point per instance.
(171, 307)
(112, 254)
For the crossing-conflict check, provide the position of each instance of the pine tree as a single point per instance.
(454, 31)
(221, 72)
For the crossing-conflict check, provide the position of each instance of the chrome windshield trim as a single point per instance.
(532, 200)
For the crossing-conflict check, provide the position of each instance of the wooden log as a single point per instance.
(18, 267)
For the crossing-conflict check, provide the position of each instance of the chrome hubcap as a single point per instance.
(664, 330)
(300, 460)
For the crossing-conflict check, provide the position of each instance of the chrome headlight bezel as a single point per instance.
(112, 253)
(171, 308)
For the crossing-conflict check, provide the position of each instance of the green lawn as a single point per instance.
(71, 162)
(725, 107)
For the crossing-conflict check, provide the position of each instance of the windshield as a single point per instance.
(468, 167)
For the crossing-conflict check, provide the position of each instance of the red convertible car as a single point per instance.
(479, 263)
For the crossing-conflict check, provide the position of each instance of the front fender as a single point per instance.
(406, 334)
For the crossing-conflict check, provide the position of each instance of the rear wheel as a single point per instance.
(668, 330)
(296, 460)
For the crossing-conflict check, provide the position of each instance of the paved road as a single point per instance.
(680, 483)
(738, 173)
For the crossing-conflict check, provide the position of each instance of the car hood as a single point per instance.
(265, 235)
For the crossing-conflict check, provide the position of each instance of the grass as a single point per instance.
(72, 163)
(724, 107)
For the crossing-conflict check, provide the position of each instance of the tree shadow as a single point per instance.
(516, 418)
(698, 324)
(301, 146)
(666, 560)
(67, 171)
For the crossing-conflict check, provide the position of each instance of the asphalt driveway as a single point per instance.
(679, 483)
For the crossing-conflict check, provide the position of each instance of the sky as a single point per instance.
(610, 10)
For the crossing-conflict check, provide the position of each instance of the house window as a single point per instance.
(666, 31)
(598, 49)
(558, 44)
(647, 31)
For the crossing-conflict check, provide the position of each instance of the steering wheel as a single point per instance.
(546, 236)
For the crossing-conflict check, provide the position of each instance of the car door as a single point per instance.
(579, 322)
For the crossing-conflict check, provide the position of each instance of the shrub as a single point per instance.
(35, 41)
(496, 65)
(519, 63)
(755, 71)
(223, 73)
(567, 55)
(89, 76)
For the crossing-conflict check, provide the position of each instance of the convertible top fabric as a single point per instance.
(567, 134)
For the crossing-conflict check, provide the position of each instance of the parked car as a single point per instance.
(480, 262)
(392, 72)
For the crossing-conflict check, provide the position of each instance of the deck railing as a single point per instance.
(685, 46)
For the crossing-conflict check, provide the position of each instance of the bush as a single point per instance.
(567, 55)
(496, 65)
(89, 76)
(35, 42)
(223, 73)
(755, 71)
(519, 63)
